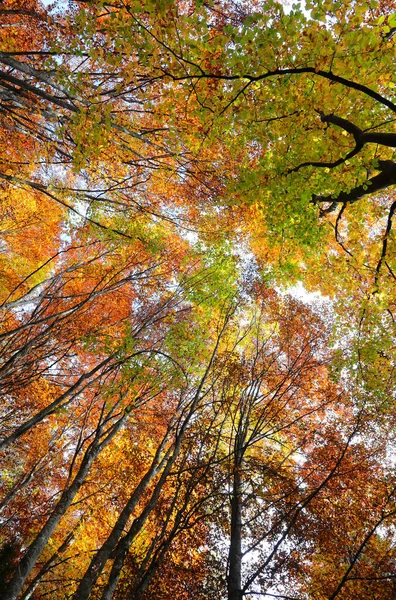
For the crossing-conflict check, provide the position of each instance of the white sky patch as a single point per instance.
(288, 5)
(299, 292)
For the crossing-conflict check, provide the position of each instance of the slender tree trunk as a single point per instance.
(73, 390)
(28, 562)
(234, 579)
(137, 525)
(103, 554)
(49, 564)
(159, 462)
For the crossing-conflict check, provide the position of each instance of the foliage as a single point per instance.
(173, 423)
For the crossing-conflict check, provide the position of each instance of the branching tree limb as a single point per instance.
(385, 179)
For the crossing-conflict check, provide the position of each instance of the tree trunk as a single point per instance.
(234, 579)
(28, 562)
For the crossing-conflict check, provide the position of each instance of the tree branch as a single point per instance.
(385, 242)
(328, 165)
(292, 71)
(361, 137)
(385, 179)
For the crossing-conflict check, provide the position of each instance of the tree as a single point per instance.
(163, 165)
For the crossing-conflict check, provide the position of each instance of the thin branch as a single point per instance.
(385, 244)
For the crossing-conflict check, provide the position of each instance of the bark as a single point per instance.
(300, 507)
(329, 75)
(234, 579)
(359, 551)
(67, 396)
(21, 11)
(385, 243)
(35, 549)
(49, 564)
(22, 482)
(361, 137)
(146, 575)
(104, 553)
(137, 525)
(27, 87)
(386, 178)
(43, 76)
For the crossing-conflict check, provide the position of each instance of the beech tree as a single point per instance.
(170, 424)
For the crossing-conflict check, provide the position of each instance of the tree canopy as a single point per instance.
(176, 421)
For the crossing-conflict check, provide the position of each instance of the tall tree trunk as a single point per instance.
(160, 462)
(28, 562)
(104, 553)
(234, 578)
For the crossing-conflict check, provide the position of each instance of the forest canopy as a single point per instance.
(176, 420)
